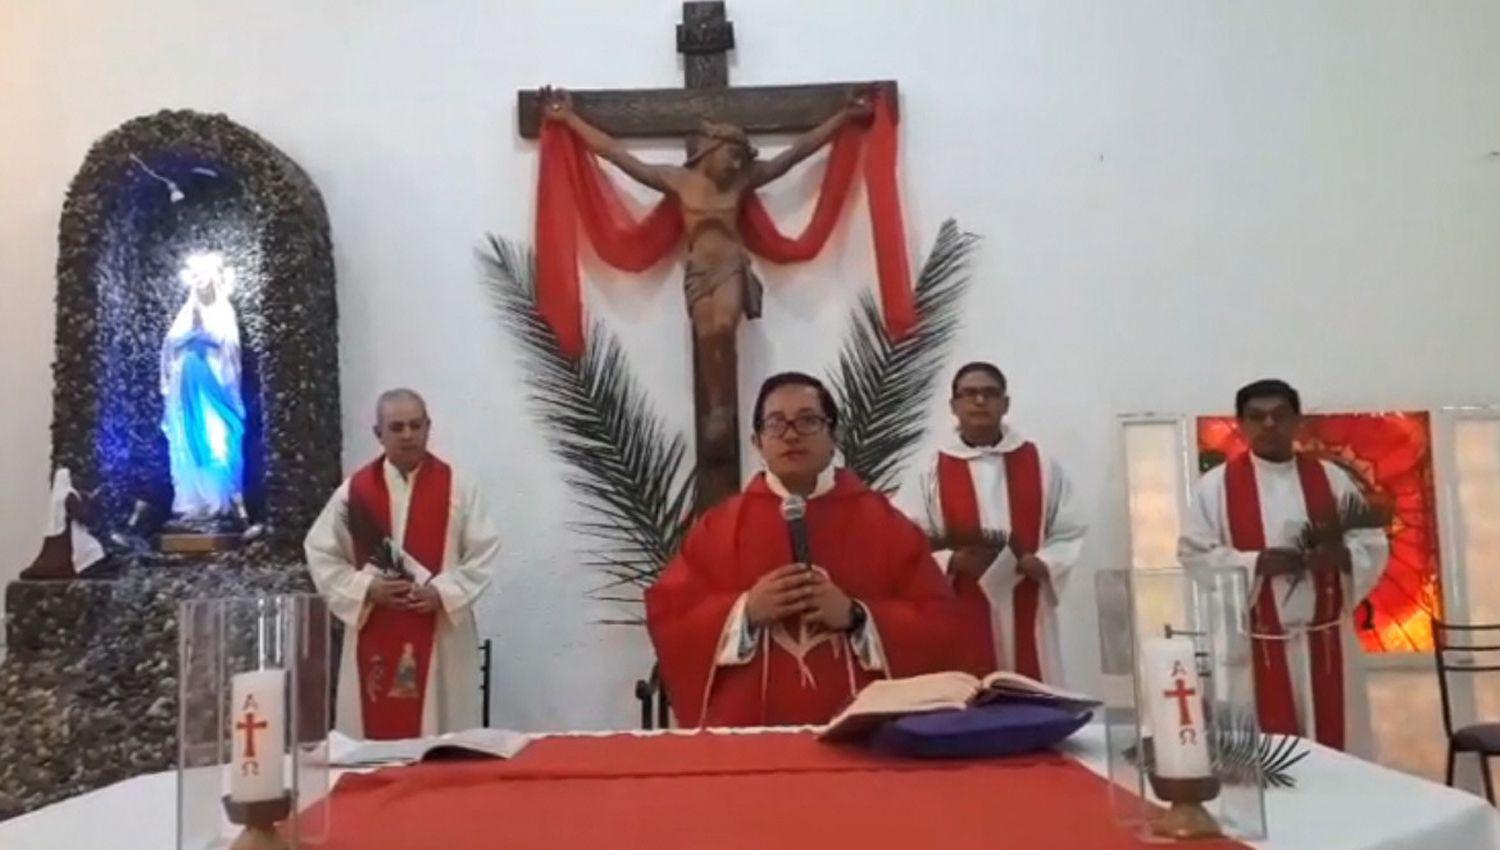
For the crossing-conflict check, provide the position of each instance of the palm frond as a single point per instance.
(370, 538)
(987, 538)
(363, 528)
(634, 476)
(1244, 755)
(1354, 514)
(629, 470)
(883, 388)
(941, 538)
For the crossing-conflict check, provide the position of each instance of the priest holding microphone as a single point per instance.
(789, 597)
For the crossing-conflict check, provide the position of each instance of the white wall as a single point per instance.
(1175, 198)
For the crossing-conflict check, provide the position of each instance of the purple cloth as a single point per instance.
(1001, 729)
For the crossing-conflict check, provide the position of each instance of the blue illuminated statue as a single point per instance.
(204, 414)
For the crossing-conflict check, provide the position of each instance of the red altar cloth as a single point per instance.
(709, 791)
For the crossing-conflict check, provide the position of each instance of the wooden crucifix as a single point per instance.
(720, 170)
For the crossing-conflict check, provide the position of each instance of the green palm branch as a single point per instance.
(633, 474)
(1354, 514)
(1244, 755)
(884, 388)
(629, 469)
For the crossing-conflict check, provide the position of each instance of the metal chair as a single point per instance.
(486, 647)
(656, 713)
(1460, 649)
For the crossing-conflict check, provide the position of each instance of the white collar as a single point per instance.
(825, 483)
(394, 474)
(1010, 440)
(1272, 465)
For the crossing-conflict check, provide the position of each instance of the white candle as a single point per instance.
(258, 735)
(1174, 697)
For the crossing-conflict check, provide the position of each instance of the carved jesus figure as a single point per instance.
(721, 286)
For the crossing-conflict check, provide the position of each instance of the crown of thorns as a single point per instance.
(712, 135)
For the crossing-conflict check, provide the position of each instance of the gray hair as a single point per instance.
(398, 394)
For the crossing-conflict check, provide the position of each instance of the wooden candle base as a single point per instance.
(259, 820)
(1185, 819)
(254, 838)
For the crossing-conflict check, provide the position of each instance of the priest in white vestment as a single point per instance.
(1253, 511)
(401, 552)
(989, 482)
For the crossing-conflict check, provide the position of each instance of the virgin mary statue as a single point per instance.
(204, 414)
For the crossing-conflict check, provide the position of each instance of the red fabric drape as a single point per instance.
(887, 224)
(573, 190)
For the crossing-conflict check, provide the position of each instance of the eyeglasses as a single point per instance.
(1276, 416)
(979, 393)
(806, 424)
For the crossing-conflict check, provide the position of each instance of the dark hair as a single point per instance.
(979, 366)
(1266, 388)
(794, 379)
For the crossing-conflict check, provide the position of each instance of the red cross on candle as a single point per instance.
(250, 726)
(1181, 694)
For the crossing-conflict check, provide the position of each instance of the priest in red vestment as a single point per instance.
(1254, 511)
(746, 635)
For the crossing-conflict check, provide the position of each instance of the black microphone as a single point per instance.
(794, 511)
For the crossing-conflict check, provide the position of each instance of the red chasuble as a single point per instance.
(1023, 485)
(395, 647)
(1274, 696)
(870, 550)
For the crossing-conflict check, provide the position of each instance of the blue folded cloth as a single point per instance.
(1001, 729)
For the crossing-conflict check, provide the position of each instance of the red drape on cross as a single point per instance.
(572, 189)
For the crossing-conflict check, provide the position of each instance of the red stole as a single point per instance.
(394, 650)
(1274, 697)
(1023, 485)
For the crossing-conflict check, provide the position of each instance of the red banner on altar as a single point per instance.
(1390, 456)
(690, 792)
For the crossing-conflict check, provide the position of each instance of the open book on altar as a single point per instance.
(470, 743)
(887, 699)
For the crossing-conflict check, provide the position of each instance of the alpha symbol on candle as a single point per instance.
(1181, 694)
